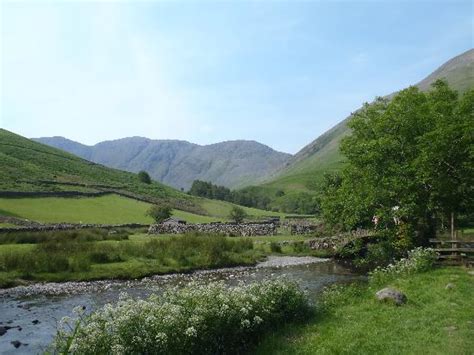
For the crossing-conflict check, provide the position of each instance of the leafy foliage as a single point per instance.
(258, 197)
(410, 161)
(248, 197)
(159, 212)
(144, 177)
(237, 214)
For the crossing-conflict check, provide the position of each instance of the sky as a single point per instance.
(278, 72)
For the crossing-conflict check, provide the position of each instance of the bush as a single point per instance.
(159, 212)
(300, 247)
(418, 260)
(237, 214)
(197, 319)
(275, 247)
(144, 177)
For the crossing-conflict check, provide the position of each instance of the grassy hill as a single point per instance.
(29, 167)
(306, 168)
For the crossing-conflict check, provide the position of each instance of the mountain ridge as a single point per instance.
(178, 163)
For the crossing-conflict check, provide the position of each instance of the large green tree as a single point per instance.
(446, 162)
(409, 159)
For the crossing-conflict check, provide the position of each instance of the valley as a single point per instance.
(360, 242)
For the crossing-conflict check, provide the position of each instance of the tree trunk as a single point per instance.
(452, 225)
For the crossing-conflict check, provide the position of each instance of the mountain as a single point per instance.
(32, 169)
(305, 168)
(178, 163)
(29, 166)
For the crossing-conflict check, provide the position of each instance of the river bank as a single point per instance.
(72, 287)
(86, 255)
(37, 313)
(438, 318)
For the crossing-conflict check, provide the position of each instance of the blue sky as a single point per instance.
(278, 72)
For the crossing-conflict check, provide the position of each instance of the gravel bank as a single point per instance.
(71, 288)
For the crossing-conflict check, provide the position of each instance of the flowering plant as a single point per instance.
(418, 260)
(196, 319)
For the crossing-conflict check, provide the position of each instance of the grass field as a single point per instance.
(435, 320)
(222, 209)
(108, 209)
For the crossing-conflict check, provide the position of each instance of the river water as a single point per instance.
(33, 312)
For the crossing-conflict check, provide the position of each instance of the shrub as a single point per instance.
(237, 214)
(197, 319)
(144, 177)
(300, 247)
(418, 260)
(159, 212)
(275, 247)
(280, 193)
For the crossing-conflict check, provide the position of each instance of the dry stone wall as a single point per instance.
(227, 229)
(68, 226)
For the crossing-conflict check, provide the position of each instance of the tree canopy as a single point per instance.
(237, 214)
(143, 176)
(410, 160)
(159, 212)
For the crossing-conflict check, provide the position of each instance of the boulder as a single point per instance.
(391, 295)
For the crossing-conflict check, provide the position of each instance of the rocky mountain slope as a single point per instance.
(179, 163)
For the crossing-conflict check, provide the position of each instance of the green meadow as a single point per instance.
(109, 209)
(435, 320)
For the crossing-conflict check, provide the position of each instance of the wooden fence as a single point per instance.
(454, 251)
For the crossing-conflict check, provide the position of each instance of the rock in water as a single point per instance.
(390, 294)
(16, 343)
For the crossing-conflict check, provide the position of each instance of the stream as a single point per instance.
(29, 314)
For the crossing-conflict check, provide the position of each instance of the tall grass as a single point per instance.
(79, 235)
(78, 251)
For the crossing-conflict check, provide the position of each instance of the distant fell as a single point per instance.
(29, 166)
(178, 163)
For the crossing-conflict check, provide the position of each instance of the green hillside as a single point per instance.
(305, 170)
(31, 167)
(28, 166)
